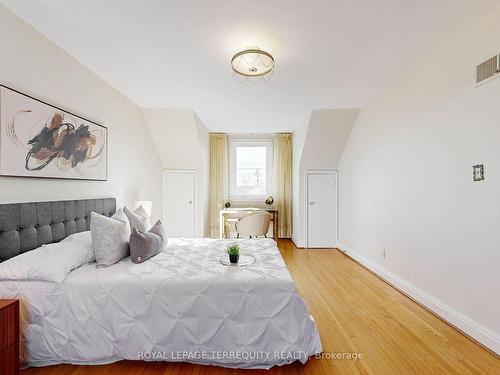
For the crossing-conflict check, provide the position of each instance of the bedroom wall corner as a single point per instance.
(298, 140)
(182, 141)
(204, 144)
(34, 65)
(327, 131)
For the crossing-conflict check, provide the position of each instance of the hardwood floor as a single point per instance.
(355, 312)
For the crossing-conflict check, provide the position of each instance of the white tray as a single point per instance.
(245, 260)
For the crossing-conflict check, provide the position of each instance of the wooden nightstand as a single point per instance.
(9, 336)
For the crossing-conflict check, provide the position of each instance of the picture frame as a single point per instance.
(41, 140)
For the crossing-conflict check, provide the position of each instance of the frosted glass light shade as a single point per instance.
(147, 205)
(252, 62)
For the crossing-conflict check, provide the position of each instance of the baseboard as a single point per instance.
(302, 246)
(296, 242)
(471, 328)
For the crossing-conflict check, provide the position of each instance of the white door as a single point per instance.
(321, 209)
(179, 203)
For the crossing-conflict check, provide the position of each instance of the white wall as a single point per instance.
(204, 150)
(32, 64)
(298, 141)
(406, 185)
(183, 143)
(317, 145)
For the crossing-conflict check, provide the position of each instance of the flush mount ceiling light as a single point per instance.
(252, 62)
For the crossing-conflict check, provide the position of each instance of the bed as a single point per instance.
(181, 305)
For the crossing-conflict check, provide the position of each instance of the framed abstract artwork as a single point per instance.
(38, 139)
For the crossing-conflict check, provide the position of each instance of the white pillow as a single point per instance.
(138, 219)
(85, 238)
(50, 262)
(110, 237)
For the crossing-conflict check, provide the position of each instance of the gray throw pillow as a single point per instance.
(138, 219)
(159, 229)
(110, 237)
(144, 245)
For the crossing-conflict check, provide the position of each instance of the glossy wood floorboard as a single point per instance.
(355, 312)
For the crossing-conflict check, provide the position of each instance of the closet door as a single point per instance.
(321, 209)
(179, 202)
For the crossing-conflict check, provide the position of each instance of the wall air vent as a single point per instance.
(487, 69)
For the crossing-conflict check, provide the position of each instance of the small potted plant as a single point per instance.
(234, 253)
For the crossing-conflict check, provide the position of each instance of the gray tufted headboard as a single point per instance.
(26, 226)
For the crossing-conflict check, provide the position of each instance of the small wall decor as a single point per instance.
(40, 140)
(478, 172)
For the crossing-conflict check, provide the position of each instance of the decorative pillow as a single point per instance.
(138, 219)
(144, 245)
(51, 262)
(110, 237)
(159, 229)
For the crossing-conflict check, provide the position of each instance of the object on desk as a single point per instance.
(254, 225)
(269, 201)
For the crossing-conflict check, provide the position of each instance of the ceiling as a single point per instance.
(176, 54)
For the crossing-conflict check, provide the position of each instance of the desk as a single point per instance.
(247, 211)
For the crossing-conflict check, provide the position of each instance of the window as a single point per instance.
(250, 168)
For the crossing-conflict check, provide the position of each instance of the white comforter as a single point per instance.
(181, 305)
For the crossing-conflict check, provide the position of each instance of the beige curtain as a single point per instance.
(218, 194)
(283, 183)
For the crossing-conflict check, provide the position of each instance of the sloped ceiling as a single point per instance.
(326, 137)
(176, 135)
